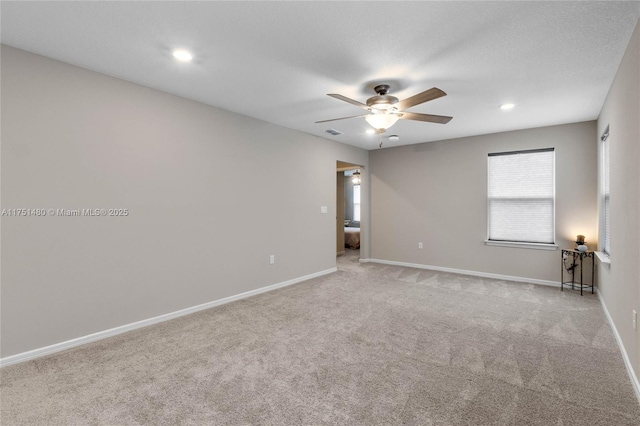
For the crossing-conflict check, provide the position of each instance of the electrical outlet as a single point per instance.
(635, 320)
(272, 259)
(420, 245)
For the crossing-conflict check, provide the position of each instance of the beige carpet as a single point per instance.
(368, 345)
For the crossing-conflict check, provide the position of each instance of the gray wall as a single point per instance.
(209, 192)
(619, 284)
(436, 193)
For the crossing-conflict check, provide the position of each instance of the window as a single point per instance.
(356, 203)
(605, 235)
(521, 197)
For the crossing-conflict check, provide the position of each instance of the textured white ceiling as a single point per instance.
(276, 61)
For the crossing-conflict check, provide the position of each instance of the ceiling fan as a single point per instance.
(385, 110)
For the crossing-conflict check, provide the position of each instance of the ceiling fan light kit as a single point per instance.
(381, 122)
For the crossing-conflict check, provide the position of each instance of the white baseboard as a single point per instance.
(625, 356)
(57, 347)
(465, 272)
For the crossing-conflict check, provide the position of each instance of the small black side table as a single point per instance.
(575, 255)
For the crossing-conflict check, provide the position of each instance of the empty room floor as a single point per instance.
(370, 344)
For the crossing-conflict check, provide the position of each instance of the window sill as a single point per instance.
(513, 244)
(603, 257)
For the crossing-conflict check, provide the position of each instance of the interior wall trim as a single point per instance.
(465, 272)
(625, 357)
(58, 347)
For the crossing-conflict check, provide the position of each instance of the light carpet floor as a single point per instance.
(369, 345)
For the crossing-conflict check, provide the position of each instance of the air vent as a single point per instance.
(333, 132)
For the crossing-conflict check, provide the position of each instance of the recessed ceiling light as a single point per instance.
(182, 55)
(505, 107)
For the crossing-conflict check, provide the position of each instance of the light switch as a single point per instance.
(323, 209)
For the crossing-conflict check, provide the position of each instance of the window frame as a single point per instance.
(522, 244)
(357, 207)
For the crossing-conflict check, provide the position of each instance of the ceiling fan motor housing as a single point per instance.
(381, 89)
(381, 101)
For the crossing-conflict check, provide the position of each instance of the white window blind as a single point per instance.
(521, 196)
(605, 192)
(356, 203)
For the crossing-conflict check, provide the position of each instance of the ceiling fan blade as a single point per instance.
(441, 119)
(426, 96)
(349, 100)
(342, 118)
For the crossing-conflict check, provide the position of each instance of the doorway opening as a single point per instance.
(349, 209)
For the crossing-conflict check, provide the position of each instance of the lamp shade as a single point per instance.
(381, 121)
